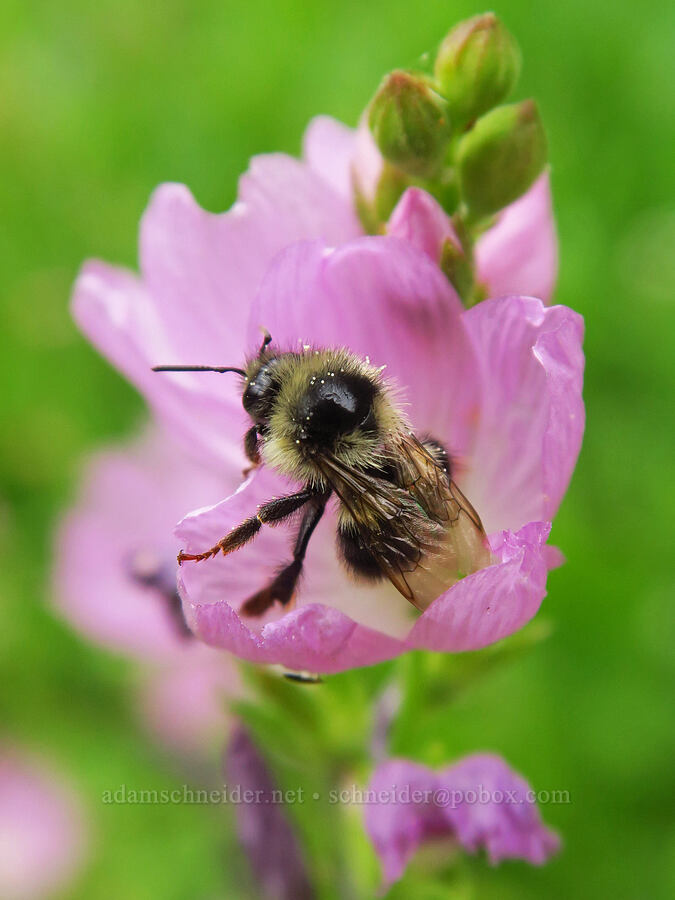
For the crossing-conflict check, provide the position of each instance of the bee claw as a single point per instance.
(194, 557)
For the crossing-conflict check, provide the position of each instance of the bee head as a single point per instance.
(262, 387)
(335, 405)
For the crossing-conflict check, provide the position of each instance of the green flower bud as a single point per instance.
(457, 269)
(477, 65)
(390, 187)
(410, 123)
(374, 211)
(501, 157)
(445, 189)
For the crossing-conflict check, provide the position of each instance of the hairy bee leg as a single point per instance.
(269, 513)
(239, 536)
(439, 453)
(251, 445)
(251, 450)
(266, 341)
(283, 586)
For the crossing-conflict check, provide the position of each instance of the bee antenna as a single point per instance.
(198, 369)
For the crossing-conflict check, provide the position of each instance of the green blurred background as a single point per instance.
(99, 103)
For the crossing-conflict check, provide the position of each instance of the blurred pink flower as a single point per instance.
(476, 803)
(500, 385)
(116, 583)
(42, 836)
(265, 831)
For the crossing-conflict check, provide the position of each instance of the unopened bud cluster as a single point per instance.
(448, 133)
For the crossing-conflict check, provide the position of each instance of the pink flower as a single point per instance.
(265, 832)
(42, 838)
(115, 582)
(477, 803)
(499, 385)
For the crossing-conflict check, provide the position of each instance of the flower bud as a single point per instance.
(477, 65)
(457, 269)
(445, 190)
(410, 123)
(501, 157)
(390, 187)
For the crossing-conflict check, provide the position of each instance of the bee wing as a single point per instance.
(462, 546)
(423, 532)
(387, 518)
(459, 550)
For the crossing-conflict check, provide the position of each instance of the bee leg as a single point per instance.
(303, 677)
(269, 513)
(267, 340)
(439, 453)
(251, 449)
(283, 586)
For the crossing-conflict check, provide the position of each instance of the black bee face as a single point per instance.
(309, 403)
(335, 405)
(261, 391)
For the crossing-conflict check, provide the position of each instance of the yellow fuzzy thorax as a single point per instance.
(296, 373)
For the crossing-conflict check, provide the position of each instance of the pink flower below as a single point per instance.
(479, 803)
(42, 836)
(265, 831)
(116, 582)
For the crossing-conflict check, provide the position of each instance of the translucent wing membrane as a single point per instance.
(419, 527)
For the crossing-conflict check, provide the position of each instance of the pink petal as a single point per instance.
(200, 272)
(42, 834)
(264, 828)
(366, 162)
(128, 505)
(420, 220)
(519, 254)
(396, 824)
(192, 258)
(328, 147)
(119, 317)
(337, 622)
(382, 298)
(532, 416)
(479, 801)
(505, 819)
(313, 636)
(493, 602)
(235, 577)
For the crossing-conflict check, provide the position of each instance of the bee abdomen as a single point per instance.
(357, 557)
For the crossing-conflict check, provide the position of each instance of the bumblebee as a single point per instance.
(327, 419)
